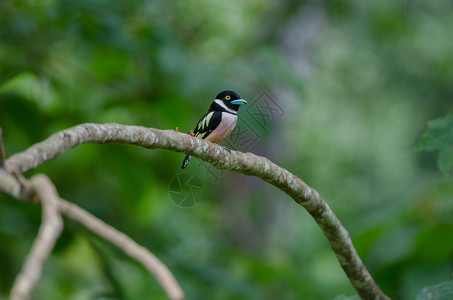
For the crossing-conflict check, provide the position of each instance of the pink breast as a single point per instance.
(225, 127)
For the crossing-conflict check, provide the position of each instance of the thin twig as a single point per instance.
(128, 245)
(10, 185)
(246, 163)
(20, 188)
(49, 231)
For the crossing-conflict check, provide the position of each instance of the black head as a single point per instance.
(228, 95)
(231, 99)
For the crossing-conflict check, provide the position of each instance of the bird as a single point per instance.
(219, 121)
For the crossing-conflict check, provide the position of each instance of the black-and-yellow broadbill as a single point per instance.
(220, 119)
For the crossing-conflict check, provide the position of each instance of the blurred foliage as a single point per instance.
(343, 297)
(442, 290)
(358, 82)
(439, 136)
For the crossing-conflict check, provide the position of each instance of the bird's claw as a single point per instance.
(229, 151)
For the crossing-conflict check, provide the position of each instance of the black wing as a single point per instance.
(207, 124)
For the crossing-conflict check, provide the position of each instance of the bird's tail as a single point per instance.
(185, 162)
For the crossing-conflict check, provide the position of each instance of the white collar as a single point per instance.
(220, 102)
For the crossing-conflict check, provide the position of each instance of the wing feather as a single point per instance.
(207, 124)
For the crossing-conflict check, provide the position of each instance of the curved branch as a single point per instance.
(41, 186)
(48, 233)
(245, 163)
(128, 245)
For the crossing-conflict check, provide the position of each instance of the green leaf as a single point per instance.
(441, 291)
(439, 137)
(31, 87)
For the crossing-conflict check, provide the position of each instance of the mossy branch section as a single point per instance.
(245, 163)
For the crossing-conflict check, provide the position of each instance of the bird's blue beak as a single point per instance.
(239, 102)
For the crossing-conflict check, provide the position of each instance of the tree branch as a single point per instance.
(27, 279)
(245, 163)
(48, 233)
(128, 245)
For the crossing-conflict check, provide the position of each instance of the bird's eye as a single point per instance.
(228, 97)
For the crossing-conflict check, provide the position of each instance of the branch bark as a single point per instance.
(48, 233)
(128, 245)
(40, 187)
(245, 163)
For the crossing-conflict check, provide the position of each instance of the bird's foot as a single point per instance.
(191, 133)
(229, 151)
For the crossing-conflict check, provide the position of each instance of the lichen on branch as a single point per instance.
(245, 163)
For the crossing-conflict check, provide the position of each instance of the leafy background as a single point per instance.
(358, 82)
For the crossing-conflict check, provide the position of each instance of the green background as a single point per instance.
(357, 81)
